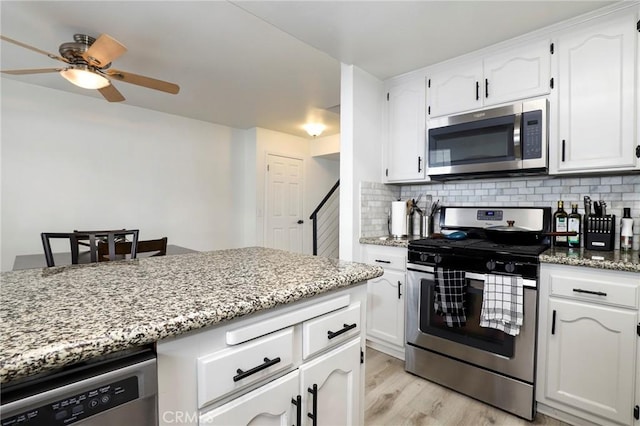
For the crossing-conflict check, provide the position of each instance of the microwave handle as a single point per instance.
(517, 127)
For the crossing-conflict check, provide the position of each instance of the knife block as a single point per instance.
(600, 232)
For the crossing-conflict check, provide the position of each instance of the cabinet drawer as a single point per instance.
(387, 257)
(234, 368)
(610, 288)
(330, 330)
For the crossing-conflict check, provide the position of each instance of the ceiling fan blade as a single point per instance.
(103, 51)
(35, 49)
(33, 71)
(141, 80)
(111, 94)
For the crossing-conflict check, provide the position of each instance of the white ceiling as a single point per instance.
(270, 64)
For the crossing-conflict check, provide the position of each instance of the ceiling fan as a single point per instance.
(88, 65)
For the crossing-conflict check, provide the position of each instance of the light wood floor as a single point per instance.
(394, 397)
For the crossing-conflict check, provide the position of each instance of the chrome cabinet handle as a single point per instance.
(267, 363)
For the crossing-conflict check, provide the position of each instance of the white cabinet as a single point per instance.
(325, 390)
(259, 369)
(269, 405)
(597, 96)
(514, 73)
(517, 73)
(385, 300)
(405, 130)
(454, 89)
(330, 387)
(587, 343)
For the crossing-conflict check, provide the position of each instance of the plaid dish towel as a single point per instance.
(502, 303)
(450, 293)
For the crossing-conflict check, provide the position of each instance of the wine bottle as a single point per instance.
(573, 225)
(560, 222)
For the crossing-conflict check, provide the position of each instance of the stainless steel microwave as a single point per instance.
(511, 139)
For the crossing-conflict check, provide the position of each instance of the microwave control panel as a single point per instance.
(531, 135)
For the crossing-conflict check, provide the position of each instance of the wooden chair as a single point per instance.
(108, 238)
(123, 248)
(46, 244)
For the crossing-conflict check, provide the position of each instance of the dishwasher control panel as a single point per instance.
(78, 406)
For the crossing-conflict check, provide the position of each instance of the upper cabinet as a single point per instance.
(596, 119)
(405, 130)
(514, 73)
(454, 89)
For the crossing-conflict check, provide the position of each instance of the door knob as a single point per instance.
(300, 222)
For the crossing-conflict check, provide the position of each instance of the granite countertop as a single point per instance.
(388, 241)
(613, 260)
(58, 316)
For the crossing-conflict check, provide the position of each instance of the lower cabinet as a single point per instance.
(321, 392)
(587, 344)
(329, 385)
(269, 405)
(385, 319)
(293, 365)
(385, 300)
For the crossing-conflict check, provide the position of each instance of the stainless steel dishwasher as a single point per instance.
(115, 390)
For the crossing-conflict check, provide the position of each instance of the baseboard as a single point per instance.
(386, 349)
(562, 416)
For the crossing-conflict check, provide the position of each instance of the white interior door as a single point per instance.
(284, 201)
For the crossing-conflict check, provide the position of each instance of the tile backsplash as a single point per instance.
(617, 191)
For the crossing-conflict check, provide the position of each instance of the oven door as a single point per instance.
(484, 347)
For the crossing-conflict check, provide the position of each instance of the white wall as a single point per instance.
(327, 146)
(319, 176)
(72, 162)
(361, 115)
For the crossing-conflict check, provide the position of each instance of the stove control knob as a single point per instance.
(437, 258)
(510, 267)
(424, 257)
(491, 265)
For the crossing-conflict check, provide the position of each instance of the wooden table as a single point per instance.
(31, 261)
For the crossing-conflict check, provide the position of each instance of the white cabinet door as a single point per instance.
(455, 89)
(385, 309)
(517, 73)
(268, 405)
(591, 355)
(597, 91)
(335, 377)
(405, 141)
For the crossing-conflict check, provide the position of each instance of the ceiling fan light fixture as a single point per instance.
(314, 129)
(85, 78)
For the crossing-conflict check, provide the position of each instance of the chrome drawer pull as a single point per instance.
(347, 327)
(267, 363)
(597, 293)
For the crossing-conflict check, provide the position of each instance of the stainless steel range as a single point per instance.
(494, 363)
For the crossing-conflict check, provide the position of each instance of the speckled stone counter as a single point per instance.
(388, 241)
(58, 316)
(613, 260)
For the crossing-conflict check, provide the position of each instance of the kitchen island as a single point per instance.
(55, 317)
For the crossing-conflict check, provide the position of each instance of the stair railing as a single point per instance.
(314, 215)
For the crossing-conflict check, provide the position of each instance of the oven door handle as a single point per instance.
(481, 277)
